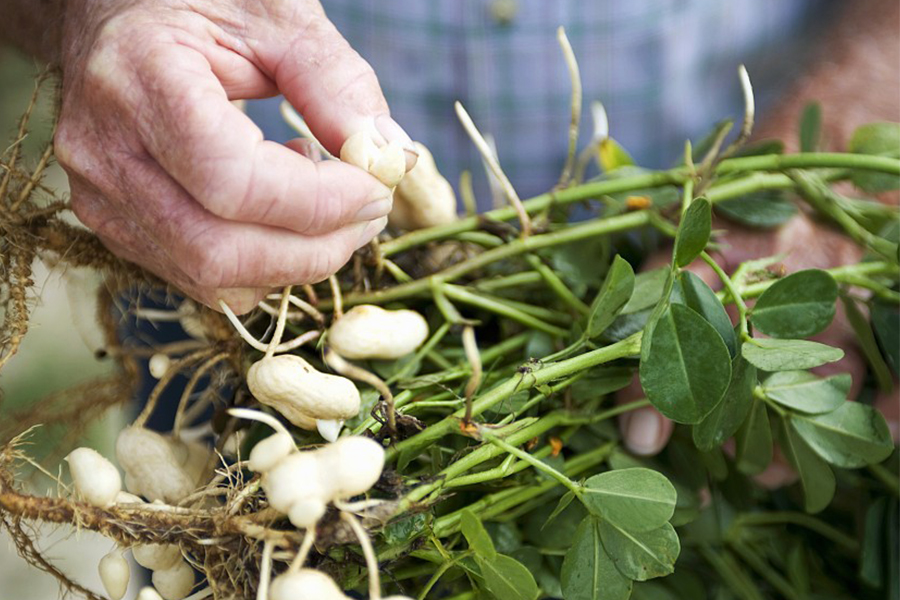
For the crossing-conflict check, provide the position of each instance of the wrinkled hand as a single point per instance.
(170, 175)
(806, 245)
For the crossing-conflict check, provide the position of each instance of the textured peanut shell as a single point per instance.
(368, 331)
(96, 479)
(302, 394)
(152, 468)
(424, 198)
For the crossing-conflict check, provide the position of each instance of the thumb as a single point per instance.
(332, 87)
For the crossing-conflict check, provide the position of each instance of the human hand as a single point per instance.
(171, 176)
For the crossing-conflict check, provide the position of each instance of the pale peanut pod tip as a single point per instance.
(387, 164)
(424, 198)
(305, 584)
(96, 479)
(174, 583)
(114, 574)
(302, 394)
(156, 557)
(368, 331)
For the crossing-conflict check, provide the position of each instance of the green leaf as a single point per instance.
(638, 499)
(876, 138)
(505, 578)
(688, 367)
(641, 555)
(816, 476)
(693, 232)
(803, 391)
(726, 418)
(612, 156)
(560, 506)
(764, 209)
(693, 292)
(648, 289)
(753, 441)
(613, 296)
(587, 572)
(810, 127)
(854, 435)
(798, 306)
(577, 263)
(871, 560)
(866, 340)
(886, 323)
(476, 535)
(788, 355)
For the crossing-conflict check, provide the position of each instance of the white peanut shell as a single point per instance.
(424, 198)
(302, 394)
(96, 479)
(305, 584)
(368, 331)
(152, 465)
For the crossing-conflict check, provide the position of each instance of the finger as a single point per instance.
(218, 155)
(333, 87)
(644, 431)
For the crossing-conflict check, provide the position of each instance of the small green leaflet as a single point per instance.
(810, 127)
(876, 138)
(753, 441)
(764, 209)
(477, 536)
(693, 292)
(638, 499)
(866, 339)
(641, 555)
(854, 435)
(816, 476)
(798, 306)
(693, 232)
(648, 289)
(788, 355)
(613, 296)
(726, 418)
(588, 573)
(611, 155)
(505, 578)
(803, 391)
(560, 506)
(687, 368)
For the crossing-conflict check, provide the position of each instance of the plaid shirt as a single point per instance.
(664, 69)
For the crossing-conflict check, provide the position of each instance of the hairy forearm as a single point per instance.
(854, 76)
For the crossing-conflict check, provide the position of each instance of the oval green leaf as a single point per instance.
(788, 355)
(693, 292)
(693, 232)
(505, 578)
(479, 539)
(726, 418)
(816, 476)
(875, 138)
(641, 555)
(587, 572)
(798, 306)
(853, 436)
(803, 391)
(613, 296)
(764, 210)
(753, 441)
(638, 499)
(688, 367)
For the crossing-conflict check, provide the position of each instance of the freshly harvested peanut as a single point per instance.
(301, 484)
(302, 394)
(96, 479)
(148, 593)
(158, 365)
(114, 573)
(152, 468)
(369, 331)
(424, 198)
(126, 498)
(305, 584)
(387, 164)
(156, 557)
(174, 583)
(268, 452)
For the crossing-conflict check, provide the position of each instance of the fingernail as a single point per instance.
(375, 210)
(642, 433)
(370, 230)
(392, 132)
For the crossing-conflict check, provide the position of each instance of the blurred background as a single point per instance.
(58, 352)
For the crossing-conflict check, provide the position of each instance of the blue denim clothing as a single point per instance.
(664, 69)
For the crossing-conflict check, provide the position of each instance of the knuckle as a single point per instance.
(210, 262)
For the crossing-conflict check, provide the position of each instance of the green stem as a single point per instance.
(534, 462)
(514, 281)
(758, 564)
(840, 274)
(557, 286)
(731, 573)
(885, 476)
(801, 520)
(732, 292)
(809, 160)
(630, 346)
(515, 311)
